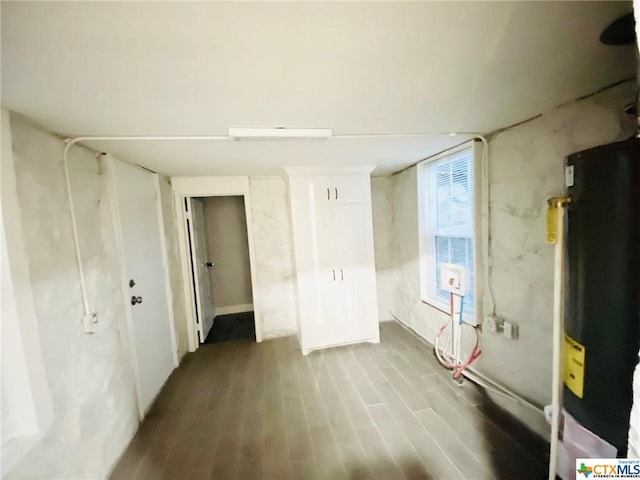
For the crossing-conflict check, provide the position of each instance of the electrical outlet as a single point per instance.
(548, 413)
(492, 324)
(89, 322)
(510, 330)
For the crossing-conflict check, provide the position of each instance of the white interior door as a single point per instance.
(137, 208)
(199, 259)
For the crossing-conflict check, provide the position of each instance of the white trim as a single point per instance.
(185, 187)
(252, 264)
(246, 307)
(128, 344)
(210, 186)
(193, 258)
(480, 221)
(165, 267)
(183, 247)
(481, 228)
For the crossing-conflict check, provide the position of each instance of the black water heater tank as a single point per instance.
(602, 307)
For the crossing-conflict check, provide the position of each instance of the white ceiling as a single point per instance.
(142, 68)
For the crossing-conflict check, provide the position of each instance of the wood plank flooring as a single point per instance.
(244, 410)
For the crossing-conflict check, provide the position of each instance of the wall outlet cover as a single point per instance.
(510, 330)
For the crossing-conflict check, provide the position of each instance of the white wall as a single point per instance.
(527, 165)
(174, 265)
(275, 268)
(381, 196)
(89, 376)
(225, 226)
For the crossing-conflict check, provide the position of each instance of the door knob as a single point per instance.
(135, 300)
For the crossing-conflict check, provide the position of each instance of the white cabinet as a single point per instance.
(335, 265)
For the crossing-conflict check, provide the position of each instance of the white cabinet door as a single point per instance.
(355, 258)
(335, 267)
(313, 230)
(351, 188)
(324, 329)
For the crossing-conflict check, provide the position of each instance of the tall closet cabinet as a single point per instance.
(335, 264)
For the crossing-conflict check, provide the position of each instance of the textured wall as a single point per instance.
(91, 383)
(381, 192)
(527, 166)
(275, 268)
(175, 266)
(225, 224)
(406, 303)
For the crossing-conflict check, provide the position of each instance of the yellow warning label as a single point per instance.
(552, 224)
(574, 366)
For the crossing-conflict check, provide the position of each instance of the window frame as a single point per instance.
(426, 240)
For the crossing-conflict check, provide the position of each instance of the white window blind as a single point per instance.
(450, 222)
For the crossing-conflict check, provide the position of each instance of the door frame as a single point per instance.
(193, 258)
(127, 335)
(184, 187)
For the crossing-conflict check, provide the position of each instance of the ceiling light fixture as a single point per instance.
(241, 133)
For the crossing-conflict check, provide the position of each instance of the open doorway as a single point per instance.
(185, 189)
(221, 268)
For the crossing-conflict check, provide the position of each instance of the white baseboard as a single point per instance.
(247, 307)
(278, 334)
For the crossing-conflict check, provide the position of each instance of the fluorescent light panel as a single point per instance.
(239, 133)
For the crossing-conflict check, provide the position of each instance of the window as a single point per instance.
(448, 224)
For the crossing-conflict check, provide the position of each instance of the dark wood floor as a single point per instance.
(244, 410)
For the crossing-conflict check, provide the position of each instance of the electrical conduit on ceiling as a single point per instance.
(89, 315)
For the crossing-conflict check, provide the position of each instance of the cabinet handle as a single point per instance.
(336, 189)
(341, 275)
(334, 275)
(328, 194)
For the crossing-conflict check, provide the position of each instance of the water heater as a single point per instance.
(602, 303)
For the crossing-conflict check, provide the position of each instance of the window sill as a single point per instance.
(446, 309)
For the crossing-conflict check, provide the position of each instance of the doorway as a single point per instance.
(186, 188)
(221, 269)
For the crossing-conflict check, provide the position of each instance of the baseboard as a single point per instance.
(278, 334)
(247, 307)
